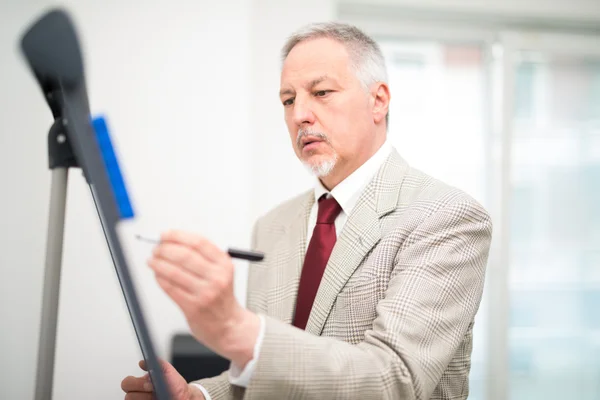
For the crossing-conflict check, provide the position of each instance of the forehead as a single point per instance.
(314, 58)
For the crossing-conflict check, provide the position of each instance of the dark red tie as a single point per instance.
(318, 252)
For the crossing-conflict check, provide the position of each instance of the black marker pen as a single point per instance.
(233, 253)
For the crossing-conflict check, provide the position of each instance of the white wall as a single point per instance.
(24, 183)
(173, 79)
(190, 89)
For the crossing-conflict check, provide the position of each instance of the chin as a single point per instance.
(321, 167)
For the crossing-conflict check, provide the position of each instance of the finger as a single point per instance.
(165, 366)
(139, 396)
(174, 275)
(188, 258)
(133, 384)
(184, 300)
(197, 242)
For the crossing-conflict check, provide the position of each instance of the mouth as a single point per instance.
(310, 141)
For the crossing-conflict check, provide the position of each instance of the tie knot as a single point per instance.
(329, 209)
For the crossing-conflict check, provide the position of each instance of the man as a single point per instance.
(371, 280)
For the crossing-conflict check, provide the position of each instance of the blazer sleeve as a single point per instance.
(433, 295)
(219, 388)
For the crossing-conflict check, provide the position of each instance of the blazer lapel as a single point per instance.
(361, 232)
(287, 264)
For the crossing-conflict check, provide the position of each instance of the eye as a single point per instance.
(322, 93)
(288, 102)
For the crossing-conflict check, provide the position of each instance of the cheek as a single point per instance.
(350, 131)
(293, 132)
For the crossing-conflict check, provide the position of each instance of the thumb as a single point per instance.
(164, 365)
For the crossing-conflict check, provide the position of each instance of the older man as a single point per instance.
(372, 278)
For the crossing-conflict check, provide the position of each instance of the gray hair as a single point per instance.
(366, 57)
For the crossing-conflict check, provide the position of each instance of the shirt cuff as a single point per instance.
(204, 392)
(242, 378)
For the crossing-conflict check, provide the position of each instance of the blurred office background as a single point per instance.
(500, 98)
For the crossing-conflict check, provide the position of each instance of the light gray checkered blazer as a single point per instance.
(393, 317)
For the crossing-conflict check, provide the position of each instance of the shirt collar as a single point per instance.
(347, 192)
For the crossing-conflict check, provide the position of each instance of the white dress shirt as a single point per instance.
(346, 193)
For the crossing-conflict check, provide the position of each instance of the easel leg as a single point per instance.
(49, 312)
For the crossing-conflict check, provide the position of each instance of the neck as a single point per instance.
(344, 169)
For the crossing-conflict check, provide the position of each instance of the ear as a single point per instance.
(381, 103)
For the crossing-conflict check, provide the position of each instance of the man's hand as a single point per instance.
(141, 388)
(198, 276)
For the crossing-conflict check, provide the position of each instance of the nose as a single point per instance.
(303, 113)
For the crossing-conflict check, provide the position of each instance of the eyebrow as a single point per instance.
(285, 92)
(311, 85)
(315, 82)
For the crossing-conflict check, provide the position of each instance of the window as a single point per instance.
(554, 278)
(512, 118)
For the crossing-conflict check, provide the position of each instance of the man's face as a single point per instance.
(328, 112)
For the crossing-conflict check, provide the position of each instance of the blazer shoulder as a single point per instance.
(430, 194)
